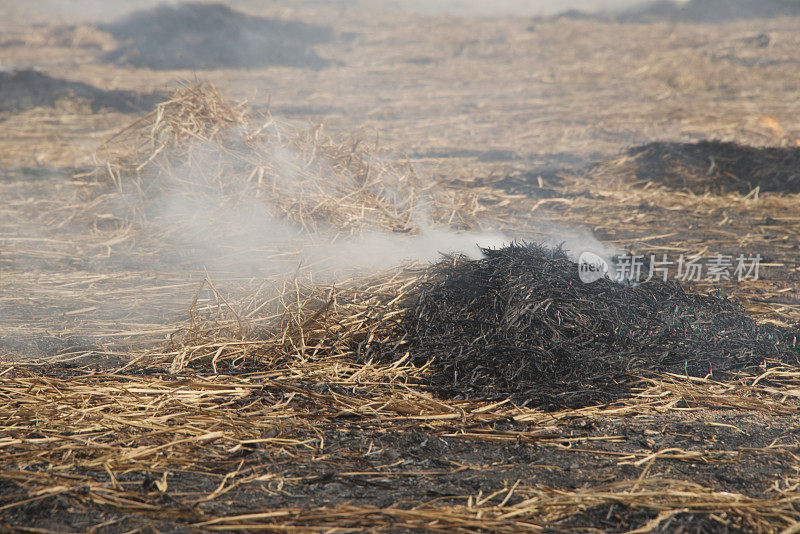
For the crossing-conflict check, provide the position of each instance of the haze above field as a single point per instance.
(91, 10)
(511, 7)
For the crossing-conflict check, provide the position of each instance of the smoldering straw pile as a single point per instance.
(517, 323)
(520, 323)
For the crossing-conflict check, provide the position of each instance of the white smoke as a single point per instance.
(234, 231)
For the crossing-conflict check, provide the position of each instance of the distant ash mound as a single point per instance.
(711, 11)
(712, 166)
(25, 89)
(209, 36)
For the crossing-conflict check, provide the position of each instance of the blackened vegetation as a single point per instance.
(201, 36)
(718, 167)
(520, 323)
(617, 518)
(711, 11)
(26, 89)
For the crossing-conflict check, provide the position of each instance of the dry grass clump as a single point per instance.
(213, 152)
(328, 331)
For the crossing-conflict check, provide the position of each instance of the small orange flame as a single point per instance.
(773, 124)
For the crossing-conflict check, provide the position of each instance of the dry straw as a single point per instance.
(254, 387)
(301, 175)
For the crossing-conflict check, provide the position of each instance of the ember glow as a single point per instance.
(773, 124)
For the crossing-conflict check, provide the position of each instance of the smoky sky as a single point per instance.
(54, 11)
(511, 7)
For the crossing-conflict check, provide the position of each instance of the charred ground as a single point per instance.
(717, 167)
(26, 89)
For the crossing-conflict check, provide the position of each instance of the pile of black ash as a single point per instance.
(520, 323)
(26, 89)
(207, 36)
(716, 166)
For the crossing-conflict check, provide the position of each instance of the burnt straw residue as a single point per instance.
(26, 89)
(520, 323)
(207, 36)
(622, 518)
(716, 166)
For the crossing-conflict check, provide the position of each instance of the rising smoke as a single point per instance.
(234, 233)
(207, 208)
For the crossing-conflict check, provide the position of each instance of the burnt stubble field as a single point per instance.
(311, 267)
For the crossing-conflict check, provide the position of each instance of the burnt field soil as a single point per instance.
(158, 378)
